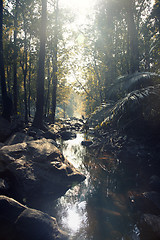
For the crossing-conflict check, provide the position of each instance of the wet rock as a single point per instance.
(18, 138)
(37, 170)
(50, 135)
(149, 226)
(78, 125)
(148, 202)
(137, 114)
(99, 114)
(66, 135)
(33, 224)
(154, 197)
(70, 125)
(35, 133)
(97, 143)
(39, 134)
(20, 222)
(86, 143)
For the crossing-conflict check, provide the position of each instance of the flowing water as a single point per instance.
(96, 208)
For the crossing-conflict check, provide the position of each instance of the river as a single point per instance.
(96, 209)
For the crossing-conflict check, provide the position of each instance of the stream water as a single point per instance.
(95, 209)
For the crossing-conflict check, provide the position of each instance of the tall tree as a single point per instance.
(15, 90)
(38, 118)
(55, 77)
(132, 36)
(24, 65)
(119, 43)
(155, 44)
(6, 101)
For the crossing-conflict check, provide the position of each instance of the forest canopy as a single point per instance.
(41, 53)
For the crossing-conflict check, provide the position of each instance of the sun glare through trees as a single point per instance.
(80, 119)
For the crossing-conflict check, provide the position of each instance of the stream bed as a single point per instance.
(96, 209)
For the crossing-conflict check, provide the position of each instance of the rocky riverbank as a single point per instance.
(33, 172)
(138, 172)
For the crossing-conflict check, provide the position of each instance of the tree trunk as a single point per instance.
(9, 79)
(29, 86)
(48, 89)
(6, 101)
(99, 79)
(25, 69)
(38, 119)
(64, 110)
(133, 38)
(15, 90)
(54, 93)
(25, 90)
(55, 79)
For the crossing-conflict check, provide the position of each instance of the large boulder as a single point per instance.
(21, 137)
(19, 222)
(86, 143)
(50, 135)
(149, 226)
(18, 137)
(146, 208)
(138, 113)
(67, 135)
(98, 115)
(128, 83)
(147, 202)
(36, 170)
(38, 134)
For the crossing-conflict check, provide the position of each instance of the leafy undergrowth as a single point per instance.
(134, 109)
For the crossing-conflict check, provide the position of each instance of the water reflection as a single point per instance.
(75, 217)
(72, 214)
(74, 151)
(94, 209)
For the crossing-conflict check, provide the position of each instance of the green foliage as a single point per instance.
(139, 112)
(97, 117)
(124, 39)
(27, 50)
(135, 106)
(129, 83)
